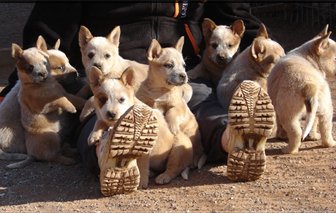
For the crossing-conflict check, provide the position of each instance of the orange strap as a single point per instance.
(192, 39)
(1, 98)
(177, 9)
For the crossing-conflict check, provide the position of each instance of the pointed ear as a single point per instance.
(238, 27)
(57, 44)
(84, 36)
(262, 31)
(95, 77)
(41, 44)
(322, 44)
(16, 51)
(114, 36)
(207, 27)
(154, 50)
(257, 50)
(324, 31)
(179, 44)
(128, 76)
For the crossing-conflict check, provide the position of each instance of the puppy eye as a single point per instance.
(229, 45)
(169, 65)
(107, 56)
(214, 45)
(121, 100)
(45, 63)
(90, 55)
(62, 68)
(30, 67)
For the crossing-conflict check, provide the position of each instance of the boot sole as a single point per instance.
(133, 136)
(251, 116)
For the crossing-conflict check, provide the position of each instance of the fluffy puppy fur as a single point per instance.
(103, 53)
(42, 100)
(221, 45)
(254, 63)
(112, 98)
(12, 142)
(162, 90)
(298, 88)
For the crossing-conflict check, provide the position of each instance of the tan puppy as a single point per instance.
(103, 53)
(221, 45)
(113, 98)
(161, 90)
(12, 143)
(42, 100)
(254, 63)
(298, 88)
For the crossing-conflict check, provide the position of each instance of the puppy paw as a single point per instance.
(313, 137)
(329, 144)
(163, 179)
(71, 109)
(143, 183)
(94, 138)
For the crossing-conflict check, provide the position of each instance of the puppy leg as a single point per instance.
(78, 102)
(62, 102)
(314, 135)
(143, 165)
(325, 124)
(280, 132)
(181, 156)
(46, 146)
(294, 132)
(87, 109)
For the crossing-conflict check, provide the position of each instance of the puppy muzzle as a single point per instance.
(177, 79)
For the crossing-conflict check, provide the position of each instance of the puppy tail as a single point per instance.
(311, 102)
(21, 164)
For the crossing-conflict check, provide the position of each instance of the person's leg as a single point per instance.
(251, 119)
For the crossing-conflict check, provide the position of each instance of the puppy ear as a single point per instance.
(257, 50)
(207, 27)
(128, 76)
(16, 51)
(324, 31)
(179, 44)
(238, 27)
(154, 50)
(41, 44)
(114, 36)
(322, 44)
(262, 31)
(84, 36)
(95, 77)
(57, 44)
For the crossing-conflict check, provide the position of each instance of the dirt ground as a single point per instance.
(300, 182)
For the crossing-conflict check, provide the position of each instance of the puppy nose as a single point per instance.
(42, 74)
(110, 115)
(223, 59)
(99, 66)
(182, 77)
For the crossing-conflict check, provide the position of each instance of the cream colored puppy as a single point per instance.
(298, 88)
(162, 90)
(254, 63)
(221, 45)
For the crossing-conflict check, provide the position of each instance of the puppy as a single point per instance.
(254, 63)
(161, 90)
(113, 98)
(221, 45)
(12, 142)
(298, 87)
(103, 53)
(42, 100)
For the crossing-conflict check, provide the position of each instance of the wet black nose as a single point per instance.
(110, 115)
(99, 66)
(222, 59)
(42, 74)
